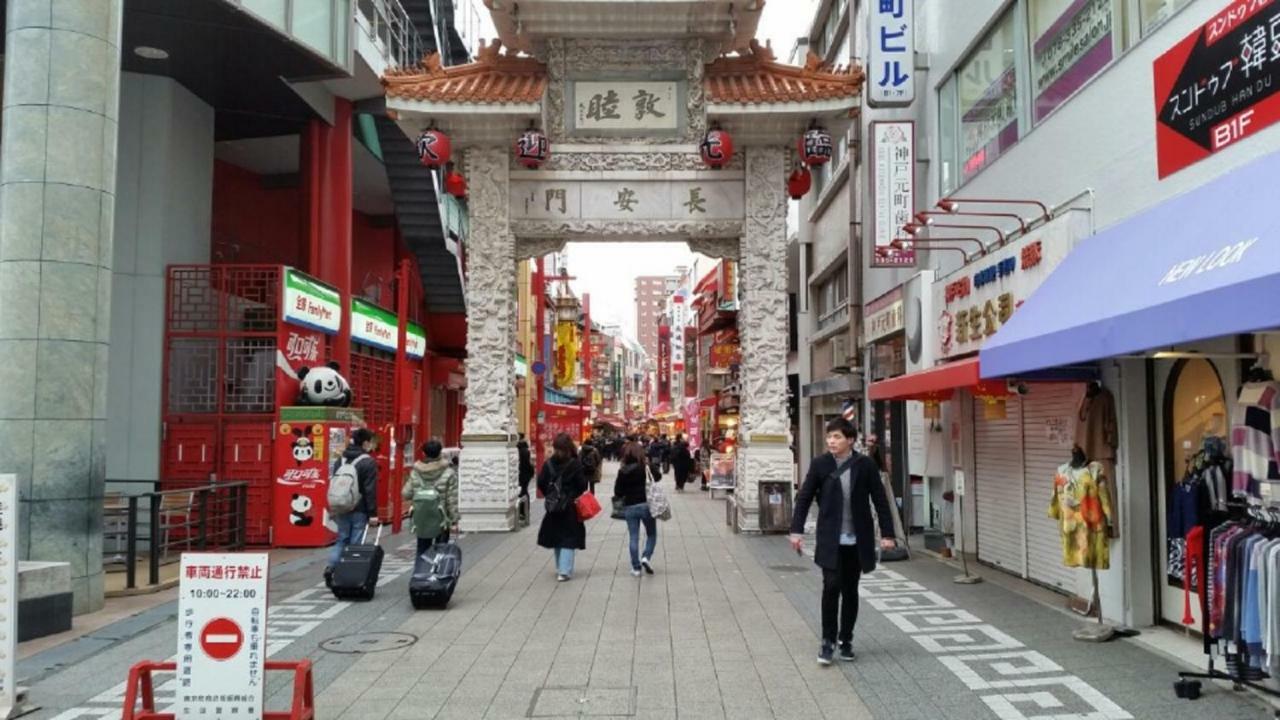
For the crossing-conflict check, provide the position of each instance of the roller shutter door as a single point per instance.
(998, 487)
(1048, 414)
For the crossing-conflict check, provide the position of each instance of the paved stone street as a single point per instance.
(727, 628)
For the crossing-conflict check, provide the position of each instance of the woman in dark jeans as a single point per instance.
(561, 530)
(630, 487)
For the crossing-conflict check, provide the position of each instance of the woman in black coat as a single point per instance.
(681, 462)
(561, 481)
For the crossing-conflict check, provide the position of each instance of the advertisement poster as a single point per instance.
(893, 192)
(222, 624)
(722, 472)
(1218, 85)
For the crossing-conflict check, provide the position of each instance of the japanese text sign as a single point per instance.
(893, 191)
(310, 303)
(664, 363)
(374, 326)
(1218, 85)
(8, 596)
(222, 622)
(626, 106)
(884, 316)
(891, 57)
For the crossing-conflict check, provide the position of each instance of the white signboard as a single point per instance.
(975, 301)
(8, 593)
(958, 482)
(222, 621)
(893, 159)
(891, 56)
(311, 303)
(374, 326)
(627, 200)
(626, 106)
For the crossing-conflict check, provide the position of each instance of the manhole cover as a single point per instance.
(369, 642)
(789, 568)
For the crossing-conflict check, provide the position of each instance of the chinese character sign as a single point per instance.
(1218, 85)
(626, 106)
(891, 56)
(893, 192)
(664, 363)
(222, 621)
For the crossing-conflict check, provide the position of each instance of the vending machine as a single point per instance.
(309, 440)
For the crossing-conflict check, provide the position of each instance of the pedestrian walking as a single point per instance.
(665, 446)
(592, 465)
(364, 512)
(655, 454)
(630, 488)
(846, 485)
(432, 490)
(561, 481)
(681, 461)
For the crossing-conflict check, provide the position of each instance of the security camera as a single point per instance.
(1016, 386)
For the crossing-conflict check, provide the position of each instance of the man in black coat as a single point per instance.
(846, 485)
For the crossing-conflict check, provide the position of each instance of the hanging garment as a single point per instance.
(1193, 572)
(1082, 508)
(1255, 439)
(1096, 433)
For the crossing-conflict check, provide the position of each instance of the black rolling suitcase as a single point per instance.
(356, 575)
(435, 575)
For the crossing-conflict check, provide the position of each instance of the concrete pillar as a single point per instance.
(487, 470)
(57, 202)
(764, 454)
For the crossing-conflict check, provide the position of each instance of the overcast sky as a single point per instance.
(608, 270)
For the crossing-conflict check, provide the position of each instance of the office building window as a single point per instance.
(1071, 41)
(1153, 13)
(833, 298)
(988, 97)
(948, 175)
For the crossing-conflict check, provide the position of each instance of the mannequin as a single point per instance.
(1082, 507)
(1078, 457)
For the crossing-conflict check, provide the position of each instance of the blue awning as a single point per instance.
(1201, 265)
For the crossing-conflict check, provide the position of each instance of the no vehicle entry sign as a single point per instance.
(222, 620)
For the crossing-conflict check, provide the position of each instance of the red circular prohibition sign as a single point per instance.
(221, 639)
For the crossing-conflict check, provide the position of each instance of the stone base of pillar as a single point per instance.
(759, 463)
(487, 486)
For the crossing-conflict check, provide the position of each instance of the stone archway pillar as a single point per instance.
(487, 468)
(764, 454)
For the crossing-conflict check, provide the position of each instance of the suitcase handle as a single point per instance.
(376, 538)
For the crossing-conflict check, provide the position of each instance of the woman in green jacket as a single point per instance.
(439, 473)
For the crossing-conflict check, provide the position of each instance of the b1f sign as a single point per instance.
(891, 60)
(222, 623)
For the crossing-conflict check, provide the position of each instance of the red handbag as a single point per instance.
(587, 506)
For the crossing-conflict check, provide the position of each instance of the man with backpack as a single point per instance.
(432, 490)
(353, 495)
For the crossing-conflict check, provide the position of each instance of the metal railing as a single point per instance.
(205, 517)
(387, 24)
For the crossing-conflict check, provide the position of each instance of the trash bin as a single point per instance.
(775, 507)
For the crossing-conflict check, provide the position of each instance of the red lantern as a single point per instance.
(799, 183)
(434, 148)
(532, 148)
(455, 184)
(717, 148)
(815, 146)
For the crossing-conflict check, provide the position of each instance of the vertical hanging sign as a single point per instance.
(893, 151)
(664, 364)
(891, 61)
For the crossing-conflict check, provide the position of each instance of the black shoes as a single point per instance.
(846, 651)
(826, 652)
(328, 577)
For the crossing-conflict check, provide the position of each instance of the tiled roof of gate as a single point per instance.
(496, 78)
(759, 78)
(493, 78)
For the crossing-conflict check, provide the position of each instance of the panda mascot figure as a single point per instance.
(323, 386)
(303, 449)
(300, 510)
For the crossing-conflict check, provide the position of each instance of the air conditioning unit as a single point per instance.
(840, 361)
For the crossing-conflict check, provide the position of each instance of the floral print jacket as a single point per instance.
(1082, 507)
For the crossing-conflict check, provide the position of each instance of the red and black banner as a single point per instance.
(1219, 85)
(690, 362)
(664, 364)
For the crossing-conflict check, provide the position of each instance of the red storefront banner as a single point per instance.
(1220, 84)
(690, 362)
(725, 350)
(559, 419)
(664, 363)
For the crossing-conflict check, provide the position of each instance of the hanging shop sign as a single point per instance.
(566, 353)
(884, 316)
(415, 341)
(1218, 85)
(725, 351)
(677, 352)
(373, 326)
(618, 107)
(727, 285)
(690, 362)
(1072, 49)
(686, 200)
(973, 302)
(664, 363)
(310, 303)
(222, 613)
(893, 191)
(891, 57)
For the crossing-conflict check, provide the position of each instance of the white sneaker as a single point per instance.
(635, 573)
(648, 567)
(562, 578)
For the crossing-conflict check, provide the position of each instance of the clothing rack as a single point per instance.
(1236, 510)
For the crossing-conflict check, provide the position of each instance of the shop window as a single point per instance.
(1071, 41)
(989, 97)
(948, 175)
(1153, 13)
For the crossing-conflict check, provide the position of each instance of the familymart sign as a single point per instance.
(310, 303)
(379, 328)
